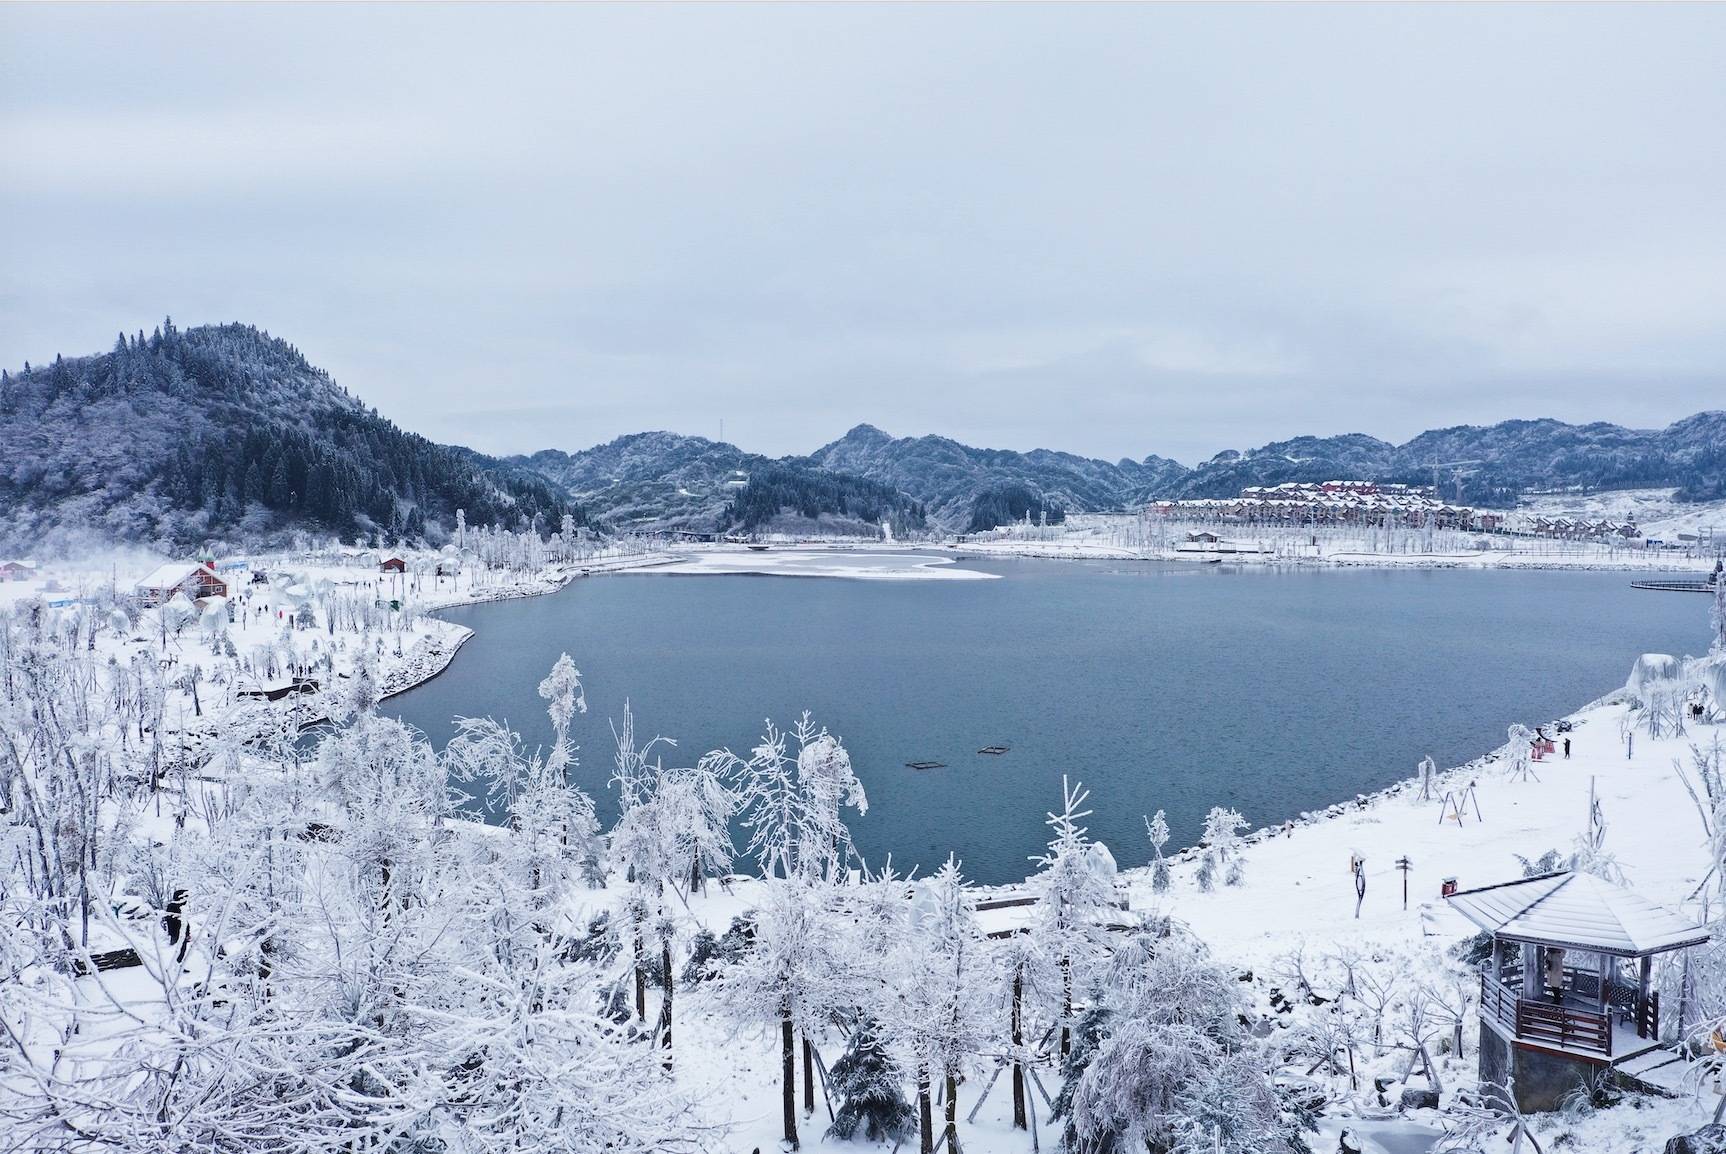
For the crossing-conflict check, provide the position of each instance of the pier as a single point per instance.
(1675, 586)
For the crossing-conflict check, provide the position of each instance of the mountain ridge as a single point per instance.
(224, 431)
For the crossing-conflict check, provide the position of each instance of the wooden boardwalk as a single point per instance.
(1675, 586)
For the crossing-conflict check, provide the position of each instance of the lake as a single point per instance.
(1159, 685)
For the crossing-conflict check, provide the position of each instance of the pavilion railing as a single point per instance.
(1498, 1001)
(1528, 1020)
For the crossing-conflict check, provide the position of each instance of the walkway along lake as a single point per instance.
(1158, 685)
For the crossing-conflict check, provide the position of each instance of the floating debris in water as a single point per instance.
(926, 765)
(997, 750)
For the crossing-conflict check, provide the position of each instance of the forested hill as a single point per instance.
(1494, 463)
(780, 493)
(225, 432)
(650, 480)
(949, 477)
(664, 481)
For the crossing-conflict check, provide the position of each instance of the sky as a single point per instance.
(1107, 229)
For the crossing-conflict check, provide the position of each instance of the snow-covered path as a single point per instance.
(1298, 884)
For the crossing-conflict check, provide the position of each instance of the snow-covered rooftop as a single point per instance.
(171, 574)
(1575, 910)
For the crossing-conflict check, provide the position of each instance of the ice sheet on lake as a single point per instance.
(818, 563)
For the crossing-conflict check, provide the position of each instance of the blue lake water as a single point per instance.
(1166, 686)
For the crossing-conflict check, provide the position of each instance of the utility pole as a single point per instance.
(1403, 864)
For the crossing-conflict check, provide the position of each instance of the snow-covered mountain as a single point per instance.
(662, 480)
(950, 478)
(1496, 462)
(225, 432)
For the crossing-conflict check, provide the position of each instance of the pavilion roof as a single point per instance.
(1580, 911)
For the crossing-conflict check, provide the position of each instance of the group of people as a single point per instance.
(1543, 745)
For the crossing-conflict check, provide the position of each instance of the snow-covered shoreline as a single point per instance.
(1585, 560)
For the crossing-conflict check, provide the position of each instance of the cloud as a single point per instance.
(1116, 230)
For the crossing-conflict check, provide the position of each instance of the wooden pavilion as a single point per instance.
(1567, 991)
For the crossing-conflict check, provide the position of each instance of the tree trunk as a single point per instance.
(952, 1114)
(665, 1006)
(1066, 1006)
(1018, 1041)
(640, 967)
(788, 1060)
(808, 1076)
(925, 1115)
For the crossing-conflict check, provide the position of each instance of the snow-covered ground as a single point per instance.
(1653, 510)
(281, 625)
(1126, 536)
(1299, 885)
(1297, 894)
(1298, 897)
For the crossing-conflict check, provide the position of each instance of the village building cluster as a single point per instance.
(1378, 504)
(1334, 503)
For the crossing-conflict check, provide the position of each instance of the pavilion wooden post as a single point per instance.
(1642, 975)
(1531, 971)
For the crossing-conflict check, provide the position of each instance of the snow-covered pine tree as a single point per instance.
(870, 1088)
(1030, 979)
(1073, 897)
(1157, 829)
(1173, 1069)
(570, 808)
(1223, 846)
(935, 1017)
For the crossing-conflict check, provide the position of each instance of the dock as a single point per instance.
(1675, 586)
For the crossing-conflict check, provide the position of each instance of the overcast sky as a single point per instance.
(1111, 230)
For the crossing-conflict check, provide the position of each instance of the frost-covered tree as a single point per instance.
(770, 804)
(934, 1013)
(488, 753)
(826, 785)
(1173, 1069)
(1223, 847)
(1030, 979)
(673, 825)
(793, 977)
(1073, 899)
(793, 806)
(568, 809)
(1157, 830)
(1590, 855)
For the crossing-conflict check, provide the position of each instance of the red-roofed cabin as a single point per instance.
(394, 565)
(192, 579)
(15, 571)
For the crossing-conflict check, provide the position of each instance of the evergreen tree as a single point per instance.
(869, 1085)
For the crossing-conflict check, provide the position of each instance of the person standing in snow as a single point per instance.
(1566, 749)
